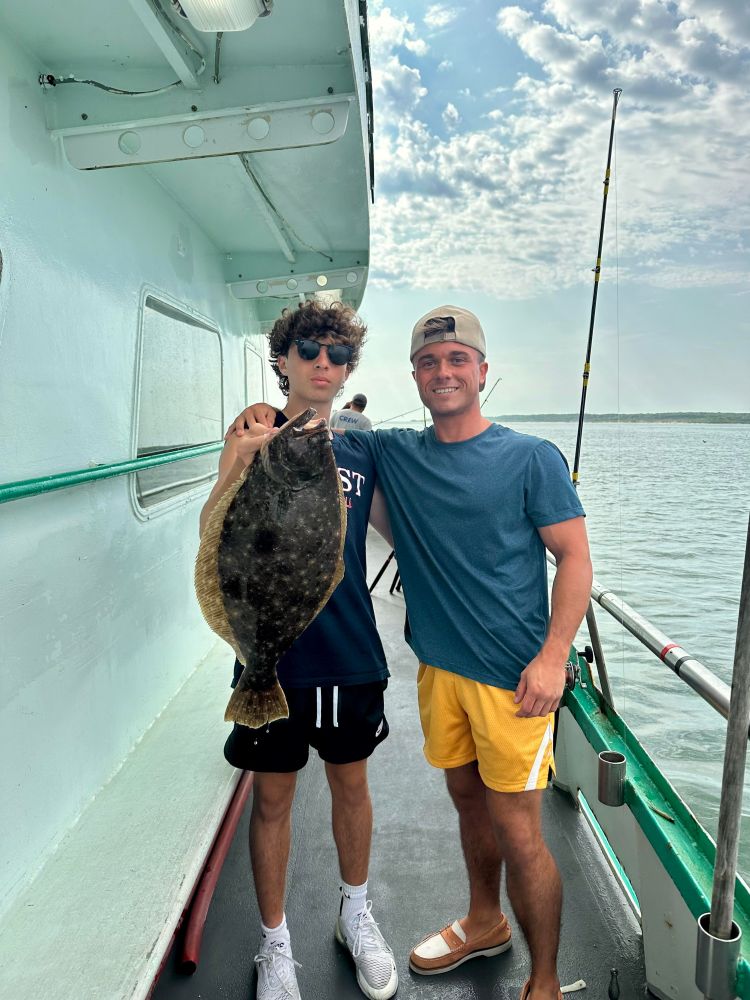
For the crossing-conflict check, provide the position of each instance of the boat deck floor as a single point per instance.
(417, 880)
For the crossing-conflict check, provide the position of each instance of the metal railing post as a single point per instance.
(719, 942)
(596, 645)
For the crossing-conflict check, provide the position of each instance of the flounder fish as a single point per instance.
(270, 556)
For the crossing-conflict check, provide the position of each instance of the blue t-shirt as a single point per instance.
(464, 517)
(341, 645)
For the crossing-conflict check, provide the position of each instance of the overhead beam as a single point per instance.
(181, 57)
(292, 286)
(243, 265)
(283, 125)
(266, 210)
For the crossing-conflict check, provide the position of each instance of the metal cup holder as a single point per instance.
(716, 961)
(611, 778)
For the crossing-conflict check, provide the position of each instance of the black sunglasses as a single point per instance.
(338, 354)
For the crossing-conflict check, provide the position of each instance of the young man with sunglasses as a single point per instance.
(334, 675)
(473, 507)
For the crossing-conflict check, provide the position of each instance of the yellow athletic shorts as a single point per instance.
(463, 720)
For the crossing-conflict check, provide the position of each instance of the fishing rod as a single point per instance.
(591, 622)
(404, 414)
(597, 272)
(490, 392)
(407, 412)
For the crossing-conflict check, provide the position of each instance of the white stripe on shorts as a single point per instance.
(534, 773)
(317, 707)
(336, 707)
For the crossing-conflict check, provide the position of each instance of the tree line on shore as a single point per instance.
(686, 417)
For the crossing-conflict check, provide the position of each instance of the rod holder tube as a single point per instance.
(611, 778)
(716, 961)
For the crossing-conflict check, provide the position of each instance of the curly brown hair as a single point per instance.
(313, 321)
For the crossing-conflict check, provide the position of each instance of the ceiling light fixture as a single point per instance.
(225, 15)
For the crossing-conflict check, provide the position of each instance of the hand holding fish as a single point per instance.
(251, 418)
(246, 446)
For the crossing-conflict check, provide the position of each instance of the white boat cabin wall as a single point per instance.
(133, 307)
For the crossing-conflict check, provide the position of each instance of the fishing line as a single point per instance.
(404, 414)
(490, 392)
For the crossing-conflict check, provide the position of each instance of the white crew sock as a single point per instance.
(269, 936)
(353, 900)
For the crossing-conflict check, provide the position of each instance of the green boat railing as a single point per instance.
(679, 840)
(695, 674)
(64, 480)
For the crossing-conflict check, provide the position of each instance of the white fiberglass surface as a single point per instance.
(100, 624)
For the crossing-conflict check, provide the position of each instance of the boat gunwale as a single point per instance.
(682, 844)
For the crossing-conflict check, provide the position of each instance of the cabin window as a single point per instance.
(254, 375)
(180, 401)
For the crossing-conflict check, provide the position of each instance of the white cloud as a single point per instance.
(728, 20)
(445, 65)
(440, 15)
(417, 45)
(451, 115)
(388, 31)
(397, 86)
(510, 206)
(564, 54)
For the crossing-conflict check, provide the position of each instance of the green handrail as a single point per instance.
(63, 480)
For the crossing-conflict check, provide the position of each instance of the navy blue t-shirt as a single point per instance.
(341, 645)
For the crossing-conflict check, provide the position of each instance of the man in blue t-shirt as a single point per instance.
(333, 676)
(473, 506)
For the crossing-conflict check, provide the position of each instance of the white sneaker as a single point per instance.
(376, 968)
(277, 975)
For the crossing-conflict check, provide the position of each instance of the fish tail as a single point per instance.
(256, 708)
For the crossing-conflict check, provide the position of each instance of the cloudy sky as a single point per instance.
(492, 122)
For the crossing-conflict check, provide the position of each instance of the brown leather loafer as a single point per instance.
(447, 949)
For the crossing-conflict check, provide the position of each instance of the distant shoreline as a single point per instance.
(630, 418)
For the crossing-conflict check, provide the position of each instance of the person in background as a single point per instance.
(333, 676)
(351, 416)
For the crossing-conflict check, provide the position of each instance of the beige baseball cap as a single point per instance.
(466, 329)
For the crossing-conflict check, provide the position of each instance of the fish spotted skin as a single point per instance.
(279, 558)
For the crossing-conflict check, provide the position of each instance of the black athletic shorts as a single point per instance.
(344, 724)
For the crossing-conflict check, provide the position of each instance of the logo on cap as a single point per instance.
(440, 328)
(448, 323)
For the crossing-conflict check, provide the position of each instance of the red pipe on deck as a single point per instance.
(204, 892)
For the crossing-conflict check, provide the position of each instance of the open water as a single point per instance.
(667, 514)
